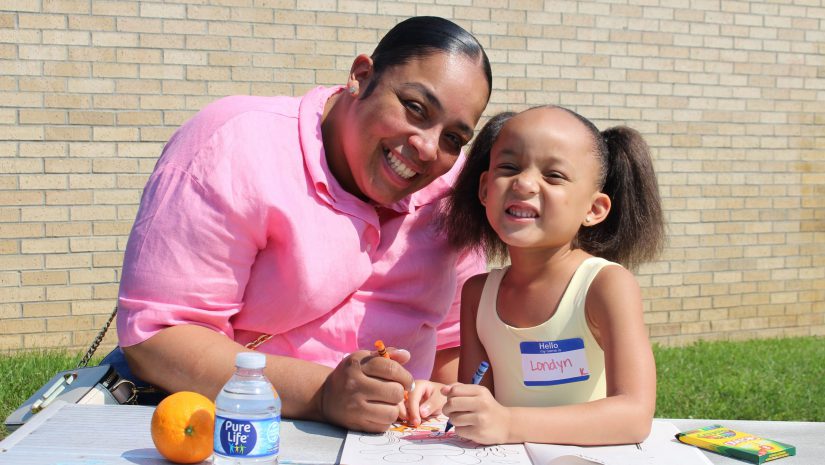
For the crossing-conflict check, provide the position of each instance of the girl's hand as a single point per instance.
(476, 415)
(424, 401)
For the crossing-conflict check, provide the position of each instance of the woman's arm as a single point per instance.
(361, 393)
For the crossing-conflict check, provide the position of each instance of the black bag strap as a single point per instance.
(100, 335)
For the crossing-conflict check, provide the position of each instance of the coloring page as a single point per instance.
(426, 444)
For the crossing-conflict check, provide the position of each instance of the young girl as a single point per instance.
(562, 326)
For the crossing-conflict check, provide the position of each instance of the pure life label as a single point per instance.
(545, 363)
(247, 438)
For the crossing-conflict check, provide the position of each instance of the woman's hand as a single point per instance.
(424, 401)
(365, 391)
(476, 414)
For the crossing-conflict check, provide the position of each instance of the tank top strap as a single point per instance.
(583, 278)
(489, 295)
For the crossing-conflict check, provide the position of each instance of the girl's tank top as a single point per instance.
(557, 362)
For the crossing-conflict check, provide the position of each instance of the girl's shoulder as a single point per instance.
(613, 288)
(475, 283)
(611, 276)
(473, 288)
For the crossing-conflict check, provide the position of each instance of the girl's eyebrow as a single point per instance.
(431, 98)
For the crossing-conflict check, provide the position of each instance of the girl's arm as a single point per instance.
(614, 312)
(472, 352)
(428, 399)
(472, 409)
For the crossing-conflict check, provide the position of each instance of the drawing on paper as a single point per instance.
(426, 444)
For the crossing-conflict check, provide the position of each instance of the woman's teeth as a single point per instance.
(398, 167)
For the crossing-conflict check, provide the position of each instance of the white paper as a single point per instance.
(661, 447)
(427, 444)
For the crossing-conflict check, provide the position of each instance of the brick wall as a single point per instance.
(730, 95)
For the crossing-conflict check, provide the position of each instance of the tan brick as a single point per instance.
(66, 69)
(105, 291)
(70, 293)
(51, 245)
(43, 52)
(7, 19)
(71, 260)
(90, 307)
(20, 294)
(21, 133)
(22, 325)
(156, 134)
(46, 340)
(67, 197)
(93, 213)
(91, 181)
(44, 278)
(8, 247)
(42, 117)
(139, 118)
(9, 279)
(21, 262)
(42, 214)
(92, 244)
(66, 101)
(70, 229)
(67, 133)
(70, 323)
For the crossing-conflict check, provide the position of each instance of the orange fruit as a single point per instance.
(183, 426)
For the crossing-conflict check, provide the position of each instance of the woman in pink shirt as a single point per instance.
(305, 226)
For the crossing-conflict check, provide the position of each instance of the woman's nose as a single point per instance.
(426, 144)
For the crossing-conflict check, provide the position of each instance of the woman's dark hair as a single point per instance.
(422, 36)
(632, 233)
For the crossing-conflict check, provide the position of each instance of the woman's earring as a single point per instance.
(587, 219)
(353, 90)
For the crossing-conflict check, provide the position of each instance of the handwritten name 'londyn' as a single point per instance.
(551, 365)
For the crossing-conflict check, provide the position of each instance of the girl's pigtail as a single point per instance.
(633, 232)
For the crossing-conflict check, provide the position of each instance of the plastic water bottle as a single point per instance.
(247, 416)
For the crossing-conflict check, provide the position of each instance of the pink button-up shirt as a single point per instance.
(243, 229)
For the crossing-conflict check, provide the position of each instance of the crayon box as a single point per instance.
(736, 444)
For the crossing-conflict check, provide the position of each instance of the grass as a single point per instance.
(768, 379)
(21, 374)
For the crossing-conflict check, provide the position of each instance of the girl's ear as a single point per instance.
(359, 74)
(482, 188)
(599, 209)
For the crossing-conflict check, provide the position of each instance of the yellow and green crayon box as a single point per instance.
(736, 444)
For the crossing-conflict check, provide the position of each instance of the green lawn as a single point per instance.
(774, 379)
(767, 379)
(22, 374)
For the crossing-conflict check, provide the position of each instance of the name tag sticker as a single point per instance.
(547, 363)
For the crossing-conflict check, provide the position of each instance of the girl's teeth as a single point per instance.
(522, 213)
(398, 167)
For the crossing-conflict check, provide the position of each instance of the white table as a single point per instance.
(70, 434)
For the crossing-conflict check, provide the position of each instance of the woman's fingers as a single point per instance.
(364, 392)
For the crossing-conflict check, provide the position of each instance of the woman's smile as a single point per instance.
(398, 165)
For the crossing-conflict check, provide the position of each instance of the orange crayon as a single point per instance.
(382, 351)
